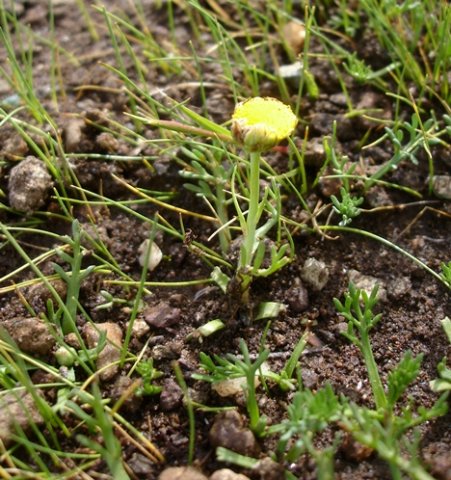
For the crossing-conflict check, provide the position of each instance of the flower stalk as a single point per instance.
(258, 125)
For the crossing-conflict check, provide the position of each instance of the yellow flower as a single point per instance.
(258, 124)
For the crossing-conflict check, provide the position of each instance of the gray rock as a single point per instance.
(228, 431)
(181, 473)
(441, 186)
(367, 283)
(106, 361)
(17, 409)
(29, 184)
(32, 335)
(227, 474)
(315, 273)
(73, 133)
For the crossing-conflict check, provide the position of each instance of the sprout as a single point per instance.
(258, 124)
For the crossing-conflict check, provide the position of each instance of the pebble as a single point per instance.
(315, 273)
(162, 315)
(181, 473)
(18, 410)
(123, 386)
(441, 186)
(155, 255)
(140, 328)
(367, 283)
(314, 154)
(294, 35)
(228, 431)
(106, 141)
(229, 387)
(297, 297)
(111, 352)
(29, 184)
(141, 466)
(31, 334)
(291, 72)
(72, 134)
(14, 147)
(400, 287)
(227, 474)
(172, 395)
(268, 469)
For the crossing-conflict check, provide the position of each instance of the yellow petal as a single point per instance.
(261, 123)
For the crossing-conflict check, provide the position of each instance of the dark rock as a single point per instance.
(141, 466)
(171, 396)
(124, 387)
(162, 315)
(297, 298)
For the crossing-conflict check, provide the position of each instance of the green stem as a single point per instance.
(373, 374)
(249, 242)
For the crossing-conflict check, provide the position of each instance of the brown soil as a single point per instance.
(415, 302)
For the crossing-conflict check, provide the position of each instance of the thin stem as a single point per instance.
(375, 380)
(251, 219)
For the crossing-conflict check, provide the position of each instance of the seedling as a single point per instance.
(219, 369)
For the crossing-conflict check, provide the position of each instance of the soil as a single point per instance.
(91, 102)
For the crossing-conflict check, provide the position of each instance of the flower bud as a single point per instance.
(258, 124)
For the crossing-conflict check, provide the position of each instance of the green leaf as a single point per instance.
(402, 376)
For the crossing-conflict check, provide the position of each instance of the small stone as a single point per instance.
(441, 186)
(315, 273)
(291, 72)
(125, 387)
(155, 255)
(162, 315)
(294, 36)
(367, 283)
(227, 474)
(172, 395)
(106, 141)
(181, 473)
(229, 387)
(399, 287)
(268, 469)
(314, 154)
(141, 466)
(18, 410)
(106, 361)
(354, 450)
(227, 431)
(297, 297)
(32, 335)
(29, 184)
(14, 147)
(72, 134)
(140, 328)
(309, 378)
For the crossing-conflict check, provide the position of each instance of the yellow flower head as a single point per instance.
(259, 124)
